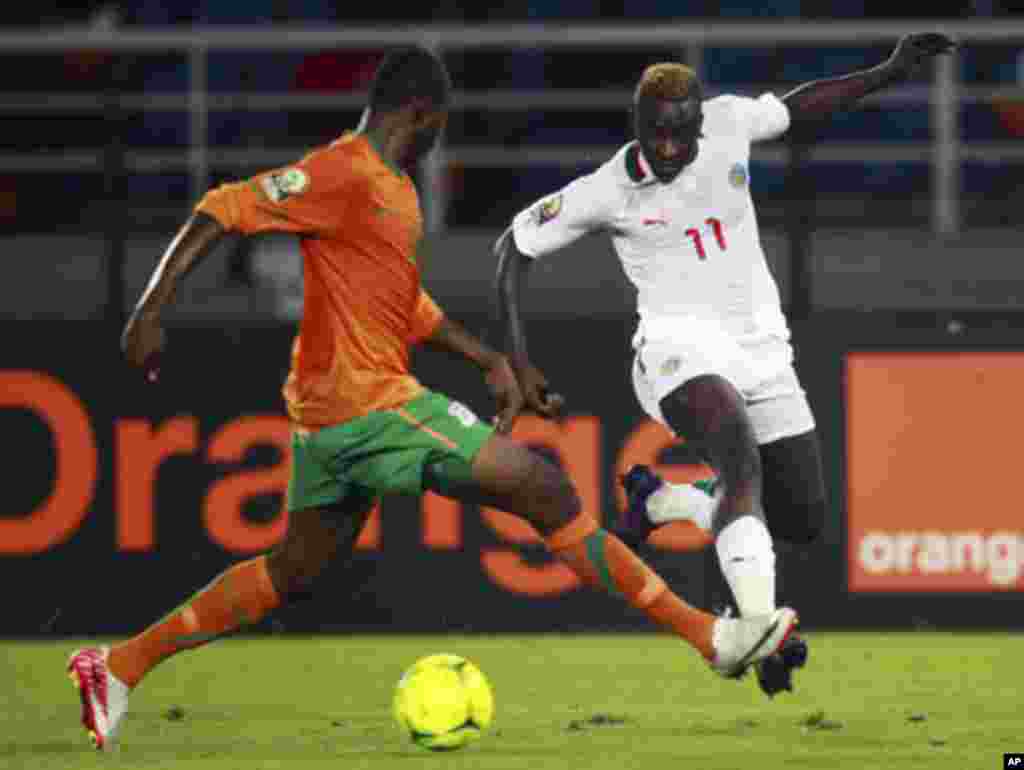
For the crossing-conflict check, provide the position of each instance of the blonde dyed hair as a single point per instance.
(667, 80)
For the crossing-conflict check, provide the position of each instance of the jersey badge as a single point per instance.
(548, 209)
(283, 185)
(738, 175)
(671, 366)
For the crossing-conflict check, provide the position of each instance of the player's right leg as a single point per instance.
(777, 408)
(325, 519)
(507, 475)
(692, 377)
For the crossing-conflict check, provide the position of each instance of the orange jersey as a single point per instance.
(360, 222)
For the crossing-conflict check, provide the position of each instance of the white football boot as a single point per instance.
(741, 642)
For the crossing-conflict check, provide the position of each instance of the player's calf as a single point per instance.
(246, 592)
(511, 477)
(798, 523)
(794, 488)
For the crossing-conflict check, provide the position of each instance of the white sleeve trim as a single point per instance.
(510, 232)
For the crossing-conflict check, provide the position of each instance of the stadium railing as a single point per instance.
(945, 151)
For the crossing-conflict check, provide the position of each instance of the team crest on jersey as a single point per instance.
(738, 175)
(671, 366)
(283, 185)
(548, 209)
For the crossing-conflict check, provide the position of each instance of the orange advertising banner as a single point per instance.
(142, 447)
(933, 448)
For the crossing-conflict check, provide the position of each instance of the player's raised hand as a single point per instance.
(537, 392)
(914, 49)
(143, 344)
(507, 393)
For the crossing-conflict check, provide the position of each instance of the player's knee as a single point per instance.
(294, 578)
(553, 500)
(800, 524)
(299, 560)
(710, 414)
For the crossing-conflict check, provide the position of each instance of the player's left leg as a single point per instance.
(325, 519)
(240, 596)
(793, 492)
(794, 499)
(710, 412)
(697, 379)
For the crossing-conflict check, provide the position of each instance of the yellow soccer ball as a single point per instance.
(443, 702)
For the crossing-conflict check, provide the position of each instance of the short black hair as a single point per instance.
(407, 74)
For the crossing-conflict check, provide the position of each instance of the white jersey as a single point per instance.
(691, 247)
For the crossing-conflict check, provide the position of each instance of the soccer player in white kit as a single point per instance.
(713, 360)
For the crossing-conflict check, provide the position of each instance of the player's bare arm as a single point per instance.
(143, 338)
(513, 267)
(453, 337)
(820, 98)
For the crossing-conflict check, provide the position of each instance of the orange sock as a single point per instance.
(680, 535)
(601, 559)
(241, 595)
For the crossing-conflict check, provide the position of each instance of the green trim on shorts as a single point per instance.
(386, 452)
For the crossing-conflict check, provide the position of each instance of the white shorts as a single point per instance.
(762, 371)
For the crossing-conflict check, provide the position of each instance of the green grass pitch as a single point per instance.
(866, 700)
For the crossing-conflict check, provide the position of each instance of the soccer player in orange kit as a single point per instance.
(364, 426)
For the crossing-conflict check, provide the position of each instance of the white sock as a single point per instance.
(672, 502)
(747, 557)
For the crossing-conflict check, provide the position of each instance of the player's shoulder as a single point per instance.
(624, 171)
(344, 162)
(729, 114)
(723, 114)
(349, 151)
(603, 187)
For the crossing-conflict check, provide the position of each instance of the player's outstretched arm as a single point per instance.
(143, 338)
(821, 98)
(454, 338)
(513, 267)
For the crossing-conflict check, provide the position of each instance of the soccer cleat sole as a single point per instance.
(775, 673)
(795, 656)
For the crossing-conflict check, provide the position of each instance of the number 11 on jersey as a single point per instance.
(698, 242)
